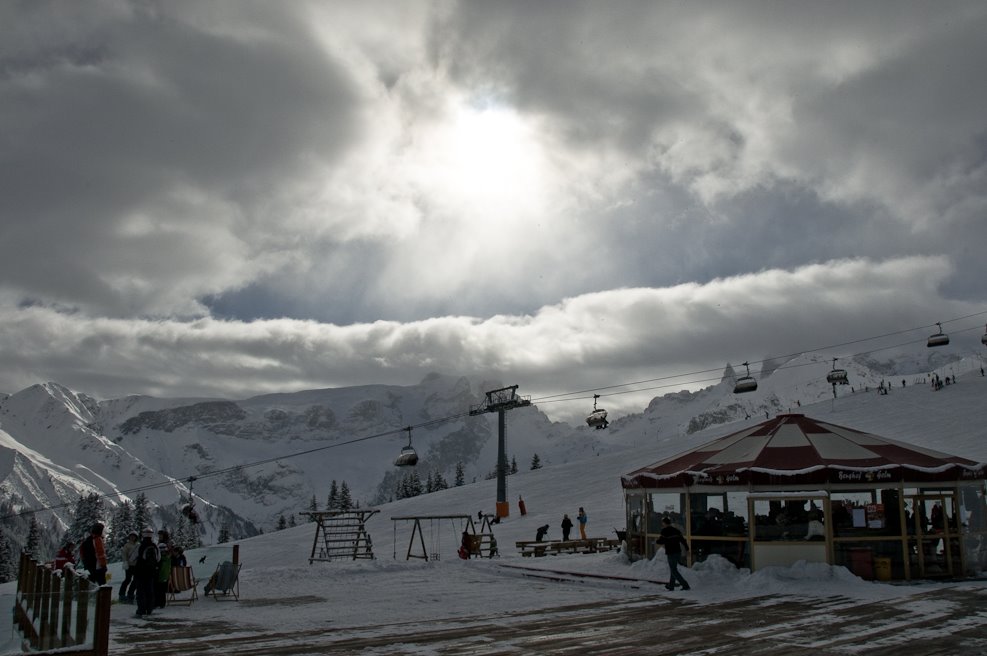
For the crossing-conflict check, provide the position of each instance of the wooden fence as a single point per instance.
(61, 610)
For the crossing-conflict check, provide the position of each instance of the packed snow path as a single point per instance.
(946, 619)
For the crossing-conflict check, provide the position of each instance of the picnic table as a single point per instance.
(556, 547)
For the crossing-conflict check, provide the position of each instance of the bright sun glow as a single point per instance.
(487, 159)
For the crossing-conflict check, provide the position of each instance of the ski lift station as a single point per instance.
(793, 488)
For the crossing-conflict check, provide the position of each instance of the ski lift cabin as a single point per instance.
(939, 339)
(598, 418)
(745, 383)
(983, 340)
(837, 376)
(408, 456)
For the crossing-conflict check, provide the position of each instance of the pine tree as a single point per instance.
(88, 511)
(513, 465)
(35, 539)
(313, 507)
(440, 482)
(429, 484)
(8, 568)
(186, 534)
(333, 502)
(460, 475)
(142, 513)
(291, 521)
(535, 462)
(224, 534)
(415, 487)
(121, 524)
(345, 500)
(282, 523)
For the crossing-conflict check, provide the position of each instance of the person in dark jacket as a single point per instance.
(146, 572)
(566, 526)
(93, 555)
(673, 541)
(540, 533)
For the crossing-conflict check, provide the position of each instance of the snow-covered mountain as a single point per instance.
(256, 459)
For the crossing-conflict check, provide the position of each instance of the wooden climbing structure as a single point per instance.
(343, 535)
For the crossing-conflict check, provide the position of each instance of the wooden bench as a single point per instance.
(556, 547)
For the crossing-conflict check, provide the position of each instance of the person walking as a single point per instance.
(146, 572)
(93, 554)
(671, 538)
(566, 526)
(582, 518)
(128, 555)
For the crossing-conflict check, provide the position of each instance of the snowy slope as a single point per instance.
(273, 453)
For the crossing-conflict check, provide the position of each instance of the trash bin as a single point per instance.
(861, 562)
(882, 568)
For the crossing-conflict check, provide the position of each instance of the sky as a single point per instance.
(231, 198)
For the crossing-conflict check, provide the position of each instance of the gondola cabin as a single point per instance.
(837, 377)
(939, 339)
(983, 340)
(597, 419)
(407, 458)
(745, 383)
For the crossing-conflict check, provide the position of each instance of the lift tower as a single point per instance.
(499, 401)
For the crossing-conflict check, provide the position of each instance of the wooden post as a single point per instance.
(236, 554)
(68, 588)
(37, 587)
(48, 626)
(101, 621)
(82, 612)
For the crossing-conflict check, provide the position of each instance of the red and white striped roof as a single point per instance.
(798, 450)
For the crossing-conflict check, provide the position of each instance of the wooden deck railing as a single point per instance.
(61, 610)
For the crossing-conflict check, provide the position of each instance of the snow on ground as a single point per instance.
(286, 592)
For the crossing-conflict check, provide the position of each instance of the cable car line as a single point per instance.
(554, 398)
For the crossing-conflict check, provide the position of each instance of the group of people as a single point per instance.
(147, 565)
(582, 518)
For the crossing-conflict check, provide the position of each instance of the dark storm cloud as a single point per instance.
(142, 132)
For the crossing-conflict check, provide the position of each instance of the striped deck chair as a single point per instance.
(180, 581)
(225, 581)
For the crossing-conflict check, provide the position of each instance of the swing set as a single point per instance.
(482, 544)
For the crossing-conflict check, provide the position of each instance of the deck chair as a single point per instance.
(181, 580)
(225, 581)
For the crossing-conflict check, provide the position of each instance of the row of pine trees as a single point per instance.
(25, 533)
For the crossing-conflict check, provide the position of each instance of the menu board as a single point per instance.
(875, 515)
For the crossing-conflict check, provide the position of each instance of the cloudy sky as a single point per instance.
(228, 198)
